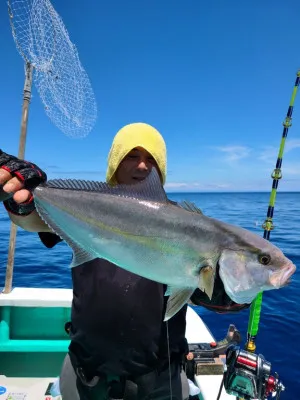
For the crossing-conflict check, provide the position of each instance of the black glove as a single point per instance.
(220, 302)
(30, 174)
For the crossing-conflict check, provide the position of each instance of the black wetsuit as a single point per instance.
(117, 323)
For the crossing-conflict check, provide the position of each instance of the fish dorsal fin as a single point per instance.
(189, 206)
(149, 189)
(75, 184)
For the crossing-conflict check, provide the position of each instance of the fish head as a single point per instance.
(247, 271)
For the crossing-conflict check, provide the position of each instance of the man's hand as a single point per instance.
(18, 177)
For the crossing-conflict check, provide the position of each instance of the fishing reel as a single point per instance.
(248, 375)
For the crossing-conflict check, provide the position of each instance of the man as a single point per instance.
(118, 337)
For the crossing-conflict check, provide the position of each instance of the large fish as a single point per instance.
(138, 229)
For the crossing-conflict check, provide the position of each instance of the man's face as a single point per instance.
(136, 166)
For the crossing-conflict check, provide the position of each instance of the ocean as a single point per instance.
(279, 331)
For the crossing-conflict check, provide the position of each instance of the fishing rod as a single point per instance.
(255, 309)
(246, 374)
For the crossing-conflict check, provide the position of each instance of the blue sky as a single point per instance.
(215, 78)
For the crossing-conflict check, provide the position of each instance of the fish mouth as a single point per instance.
(282, 278)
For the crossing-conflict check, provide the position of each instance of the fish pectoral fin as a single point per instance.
(207, 280)
(81, 256)
(177, 299)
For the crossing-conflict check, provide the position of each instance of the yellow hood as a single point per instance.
(136, 135)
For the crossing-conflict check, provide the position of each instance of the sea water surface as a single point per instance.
(279, 331)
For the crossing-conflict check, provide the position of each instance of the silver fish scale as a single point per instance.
(158, 240)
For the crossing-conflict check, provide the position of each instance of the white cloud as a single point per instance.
(289, 182)
(210, 186)
(291, 169)
(180, 185)
(234, 153)
(269, 154)
(196, 186)
(292, 144)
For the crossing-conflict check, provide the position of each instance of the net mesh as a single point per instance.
(61, 81)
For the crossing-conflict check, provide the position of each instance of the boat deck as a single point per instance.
(26, 388)
(33, 343)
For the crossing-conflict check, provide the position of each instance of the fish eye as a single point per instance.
(264, 259)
